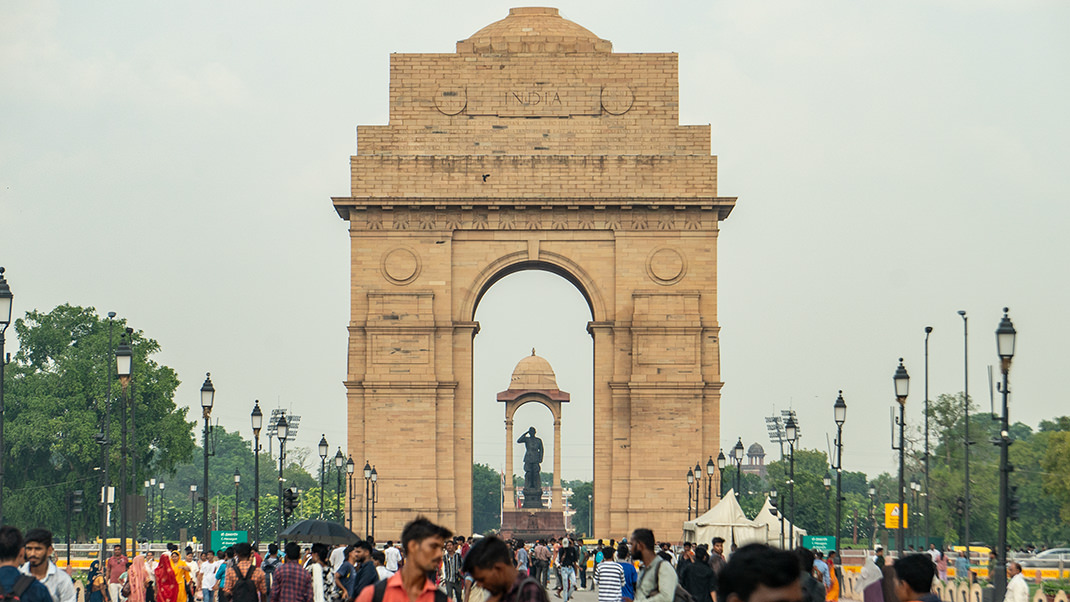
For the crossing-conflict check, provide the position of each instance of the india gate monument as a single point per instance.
(533, 147)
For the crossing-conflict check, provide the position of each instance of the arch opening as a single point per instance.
(519, 308)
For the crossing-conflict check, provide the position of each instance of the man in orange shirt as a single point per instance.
(422, 541)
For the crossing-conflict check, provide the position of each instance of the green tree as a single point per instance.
(582, 495)
(1056, 466)
(486, 499)
(56, 391)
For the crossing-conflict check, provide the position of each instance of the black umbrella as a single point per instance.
(319, 531)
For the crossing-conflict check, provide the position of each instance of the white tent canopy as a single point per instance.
(772, 524)
(726, 520)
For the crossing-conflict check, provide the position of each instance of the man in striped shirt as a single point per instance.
(609, 576)
(451, 578)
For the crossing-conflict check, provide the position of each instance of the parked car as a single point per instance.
(1048, 559)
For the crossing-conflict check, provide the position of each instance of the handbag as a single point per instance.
(125, 591)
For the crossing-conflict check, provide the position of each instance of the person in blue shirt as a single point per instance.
(11, 557)
(627, 593)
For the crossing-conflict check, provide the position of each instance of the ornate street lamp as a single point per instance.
(710, 468)
(737, 457)
(6, 299)
(350, 468)
(123, 367)
(207, 400)
(257, 420)
(791, 431)
(690, 484)
(282, 428)
(698, 485)
(1005, 339)
(902, 388)
(339, 461)
(839, 415)
(721, 463)
(375, 498)
(323, 467)
(367, 497)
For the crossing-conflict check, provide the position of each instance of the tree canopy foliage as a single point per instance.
(56, 393)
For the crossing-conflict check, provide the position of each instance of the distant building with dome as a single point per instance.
(755, 460)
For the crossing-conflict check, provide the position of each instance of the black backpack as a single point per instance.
(23, 584)
(244, 589)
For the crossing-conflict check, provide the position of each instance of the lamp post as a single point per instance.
(839, 414)
(367, 497)
(339, 462)
(350, 468)
(710, 468)
(772, 501)
(791, 432)
(257, 419)
(966, 440)
(872, 517)
(827, 482)
(721, 463)
(150, 486)
(192, 501)
(375, 498)
(1005, 338)
(5, 320)
(902, 387)
(915, 487)
(928, 331)
(207, 400)
(123, 365)
(237, 492)
(159, 512)
(323, 467)
(281, 430)
(690, 484)
(590, 515)
(698, 486)
(737, 457)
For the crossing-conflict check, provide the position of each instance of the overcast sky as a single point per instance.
(894, 162)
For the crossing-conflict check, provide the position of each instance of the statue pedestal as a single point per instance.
(532, 523)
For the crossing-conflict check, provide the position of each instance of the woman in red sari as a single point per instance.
(166, 584)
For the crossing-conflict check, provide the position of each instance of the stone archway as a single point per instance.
(534, 146)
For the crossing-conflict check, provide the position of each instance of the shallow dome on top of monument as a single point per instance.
(755, 450)
(533, 29)
(533, 372)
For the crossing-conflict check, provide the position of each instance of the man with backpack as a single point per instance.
(491, 567)
(14, 586)
(657, 580)
(244, 581)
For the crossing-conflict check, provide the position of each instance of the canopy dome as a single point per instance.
(755, 450)
(533, 372)
(533, 29)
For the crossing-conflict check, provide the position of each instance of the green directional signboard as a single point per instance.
(222, 540)
(825, 543)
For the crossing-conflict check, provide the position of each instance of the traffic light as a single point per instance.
(289, 502)
(960, 507)
(76, 500)
(1012, 503)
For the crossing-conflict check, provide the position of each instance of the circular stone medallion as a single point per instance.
(401, 266)
(451, 100)
(666, 266)
(617, 99)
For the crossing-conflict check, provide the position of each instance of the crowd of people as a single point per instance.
(429, 564)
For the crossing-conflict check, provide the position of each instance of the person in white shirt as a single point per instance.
(209, 567)
(38, 549)
(393, 557)
(338, 556)
(1017, 588)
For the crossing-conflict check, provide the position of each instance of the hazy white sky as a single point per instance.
(894, 162)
